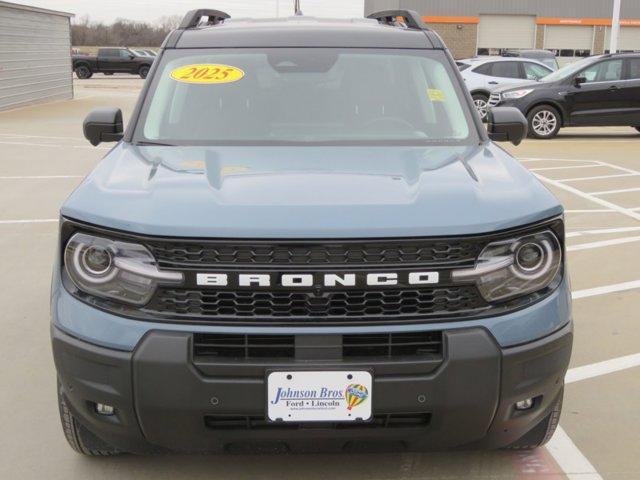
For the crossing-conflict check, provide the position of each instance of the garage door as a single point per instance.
(35, 56)
(559, 37)
(629, 39)
(506, 31)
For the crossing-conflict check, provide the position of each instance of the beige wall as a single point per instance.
(461, 41)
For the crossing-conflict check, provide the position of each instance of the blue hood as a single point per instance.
(310, 192)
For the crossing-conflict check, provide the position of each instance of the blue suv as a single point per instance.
(306, 237)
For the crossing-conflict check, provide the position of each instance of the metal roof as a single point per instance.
(302, 31)
(29, 8)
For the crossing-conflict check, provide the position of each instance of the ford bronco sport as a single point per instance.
(306, 238)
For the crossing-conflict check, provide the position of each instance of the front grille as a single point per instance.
(215, 254)
(384, 304)
(282, 347)
(243, 346)
(494, 99)
(413, 344)
(255, 422)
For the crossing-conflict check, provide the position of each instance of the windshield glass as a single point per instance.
(568, 70)
(303, 96)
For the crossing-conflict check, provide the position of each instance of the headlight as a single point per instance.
(112, 269)
(515, 94)
(515, 267)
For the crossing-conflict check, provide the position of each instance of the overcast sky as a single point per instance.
(149, 10)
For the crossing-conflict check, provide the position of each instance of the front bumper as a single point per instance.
(167, 401)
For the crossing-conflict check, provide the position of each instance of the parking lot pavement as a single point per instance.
(594, 172)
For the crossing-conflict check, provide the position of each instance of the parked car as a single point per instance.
(603, 90)
(151, 52)
(543, 56)
(482, 75)
(308, 246)
(141, 53)
(110, 61)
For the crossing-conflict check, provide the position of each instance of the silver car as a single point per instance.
(484, 74)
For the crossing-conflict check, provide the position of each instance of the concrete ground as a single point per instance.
(594, 172)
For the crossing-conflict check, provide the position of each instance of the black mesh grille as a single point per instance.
(413, 344)
(385, 304)
(383, 345)
(215, 254)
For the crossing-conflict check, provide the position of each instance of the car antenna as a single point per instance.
(298, 12)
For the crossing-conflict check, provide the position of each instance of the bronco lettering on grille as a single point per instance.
(302, 280)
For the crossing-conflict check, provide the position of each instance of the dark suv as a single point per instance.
(598, 91)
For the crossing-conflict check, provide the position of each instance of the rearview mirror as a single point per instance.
(579, 80)
(103, 125)
(506, 124)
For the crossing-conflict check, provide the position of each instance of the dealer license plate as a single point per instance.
(337, 396)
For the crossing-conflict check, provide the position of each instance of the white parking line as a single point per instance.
(602, 368)
(598, 200)
(13, 222)
(622, 190)
(40, 177)
(602, 231)
(617, 287)
(603, 243)
(21, 135)
(542, 169)
(599, 177)
(570, 459)
(591, 210)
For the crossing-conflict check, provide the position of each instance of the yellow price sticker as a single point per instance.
(207, 73)
(435, 95)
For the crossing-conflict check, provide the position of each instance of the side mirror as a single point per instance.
(506, 124)
(131, 57)
(103, 125)
(579, 80)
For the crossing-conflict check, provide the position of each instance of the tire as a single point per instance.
(83, 72)
(480, 101)
(542, 432)
(79, 438)
(544, 122)
(144, 71)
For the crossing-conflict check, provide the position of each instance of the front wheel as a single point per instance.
(544, 122)
(83, 72)
(81, 439)
(542, 432)
(143, 72)
(481, 102)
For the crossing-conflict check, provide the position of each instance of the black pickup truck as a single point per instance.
(110, 61)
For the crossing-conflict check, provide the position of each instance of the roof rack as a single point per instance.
(192, 18)
(390, 17)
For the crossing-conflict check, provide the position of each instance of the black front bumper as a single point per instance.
(165, 401)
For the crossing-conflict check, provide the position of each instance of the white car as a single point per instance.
(483, 74)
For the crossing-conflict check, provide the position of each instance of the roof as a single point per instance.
(29, 8)
(303, 31)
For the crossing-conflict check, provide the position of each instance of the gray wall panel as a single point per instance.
(35, 57)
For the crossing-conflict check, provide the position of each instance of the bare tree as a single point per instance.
(122, 32)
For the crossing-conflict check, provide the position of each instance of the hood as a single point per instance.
(518, 86)
(309, 192)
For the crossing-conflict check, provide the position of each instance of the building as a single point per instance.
(571, 28)
(35, 55)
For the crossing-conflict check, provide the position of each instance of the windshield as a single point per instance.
(568, 70)
(304, 96)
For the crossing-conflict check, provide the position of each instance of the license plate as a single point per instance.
(338, 396)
